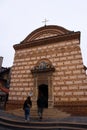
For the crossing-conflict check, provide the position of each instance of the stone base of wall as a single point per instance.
(12, 105)
(74, 108)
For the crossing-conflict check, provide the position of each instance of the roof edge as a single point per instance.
(49, 40)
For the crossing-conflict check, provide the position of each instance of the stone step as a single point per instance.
(21, 125)
(10, 121)
(49, 113)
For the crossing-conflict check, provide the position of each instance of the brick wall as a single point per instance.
(69, 81)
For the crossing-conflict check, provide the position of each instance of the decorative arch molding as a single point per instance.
(45, 60)
(43, 65)
(46, 31)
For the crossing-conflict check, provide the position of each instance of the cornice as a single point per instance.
(49, 40)
(85, 68)
(51, 69)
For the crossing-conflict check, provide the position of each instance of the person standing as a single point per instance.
(26, 107)
(41, 105)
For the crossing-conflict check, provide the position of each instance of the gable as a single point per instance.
(45, 32)
(47, 35)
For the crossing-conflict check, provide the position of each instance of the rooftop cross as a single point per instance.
(45, 21)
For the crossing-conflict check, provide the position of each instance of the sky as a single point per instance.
(18, 18)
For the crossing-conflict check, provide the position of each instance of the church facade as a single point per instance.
(49, 61)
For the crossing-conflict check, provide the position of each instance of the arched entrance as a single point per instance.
(43, 73)
(43, 89)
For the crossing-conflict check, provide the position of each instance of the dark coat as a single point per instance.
(27, 104)
(41, 102)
